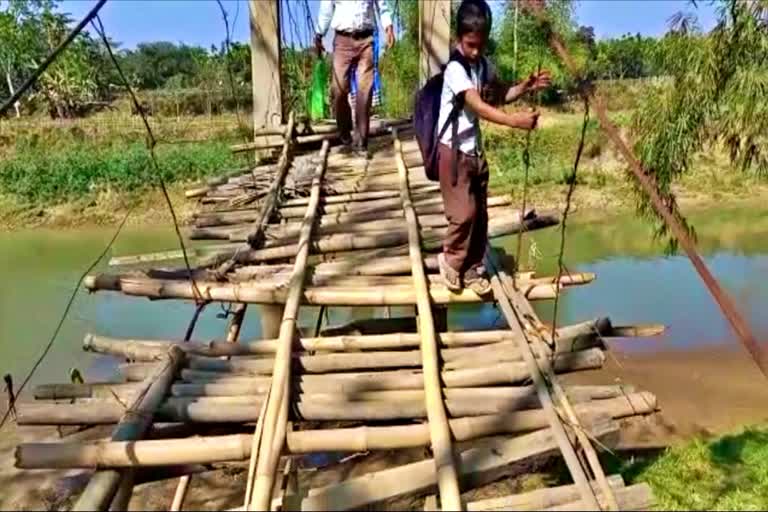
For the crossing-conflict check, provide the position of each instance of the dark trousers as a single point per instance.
(348, 51)
(466, 208)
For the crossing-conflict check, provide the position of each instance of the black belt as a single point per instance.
(356, 34)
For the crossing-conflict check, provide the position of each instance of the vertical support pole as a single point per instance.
(271, 318)
(434, 36)
(265, 63)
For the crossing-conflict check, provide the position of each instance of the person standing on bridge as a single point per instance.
(354, 22)
(468, 81)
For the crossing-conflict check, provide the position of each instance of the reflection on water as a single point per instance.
(635, 284)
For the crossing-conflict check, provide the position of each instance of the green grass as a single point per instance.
(40, 175)
(729, 473)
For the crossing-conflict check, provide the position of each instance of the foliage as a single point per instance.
(626, 57)
(533, 49)
(716, 95)
(152, 64)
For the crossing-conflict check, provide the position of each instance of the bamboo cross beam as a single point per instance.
(103, 485)
(277, 404)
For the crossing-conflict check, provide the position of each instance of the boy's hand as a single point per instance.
(526, 120)
(539, 80)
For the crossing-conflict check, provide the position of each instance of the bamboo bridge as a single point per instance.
(317, 227)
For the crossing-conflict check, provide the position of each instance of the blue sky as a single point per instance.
(198, 22)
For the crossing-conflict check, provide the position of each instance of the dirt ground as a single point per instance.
(705, 391)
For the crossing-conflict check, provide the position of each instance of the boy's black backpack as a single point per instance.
(426, 113)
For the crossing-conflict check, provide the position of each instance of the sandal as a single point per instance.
(476, 279)
(450, 276)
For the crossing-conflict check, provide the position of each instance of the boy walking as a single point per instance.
(462, 167)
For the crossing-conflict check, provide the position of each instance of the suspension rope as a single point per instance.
(228, 58)
(646, 182)
(151, 143)
(527, 168)
(563, 225)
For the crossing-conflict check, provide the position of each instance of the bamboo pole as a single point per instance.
(439, 432)
(150, 350)
(588, 496)
(234, 447)
(133, 425)
(181, 492)
(276, 407)
(245, 409)
(253, 293)
(543, 351)
(367, 210)
(285, 234)
(271, 202)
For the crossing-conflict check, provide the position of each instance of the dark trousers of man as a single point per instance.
(348, 51)
(466, 208)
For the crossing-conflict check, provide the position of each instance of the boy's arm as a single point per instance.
(512, 92)
(521, 120)
(459, 83)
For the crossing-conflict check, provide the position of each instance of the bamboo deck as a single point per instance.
(331, 230)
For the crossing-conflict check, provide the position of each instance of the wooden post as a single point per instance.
(434, 36)
(265, 63)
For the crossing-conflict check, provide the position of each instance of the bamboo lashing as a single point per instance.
(272, 438)
(440, 435)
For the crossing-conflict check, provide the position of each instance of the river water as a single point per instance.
(636, 283)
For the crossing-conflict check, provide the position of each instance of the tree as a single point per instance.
(20, 44)
(716, 95)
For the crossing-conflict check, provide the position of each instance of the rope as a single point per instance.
(527, 168)
(64, 315)
(151, 143)
(566, 210)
